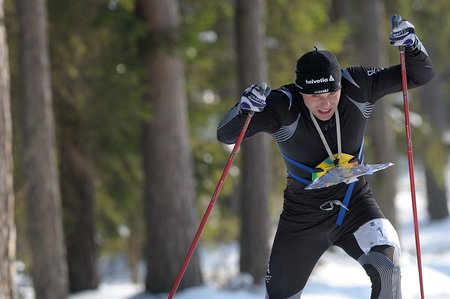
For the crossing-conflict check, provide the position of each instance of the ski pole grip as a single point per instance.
(396, 19)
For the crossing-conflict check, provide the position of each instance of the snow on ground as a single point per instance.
(336, 276)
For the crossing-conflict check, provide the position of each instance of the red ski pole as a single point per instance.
(395, 20)
(211, 205)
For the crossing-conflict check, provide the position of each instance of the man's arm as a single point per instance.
(418, 64)
(269, 120)
(419, 70)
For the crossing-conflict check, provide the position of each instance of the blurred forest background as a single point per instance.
(108, 116)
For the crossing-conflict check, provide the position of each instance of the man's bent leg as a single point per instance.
(376, 247)
(295, 252)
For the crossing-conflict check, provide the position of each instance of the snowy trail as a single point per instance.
(336, 276)
(350, 282)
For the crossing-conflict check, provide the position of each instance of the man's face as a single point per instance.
(322, 105)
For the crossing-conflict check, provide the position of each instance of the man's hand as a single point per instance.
(403, 33)
(254, 97)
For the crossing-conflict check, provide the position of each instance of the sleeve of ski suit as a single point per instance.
(374, 83)
(274, 115)
(371, 83)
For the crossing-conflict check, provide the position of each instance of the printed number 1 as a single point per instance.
(381, 232)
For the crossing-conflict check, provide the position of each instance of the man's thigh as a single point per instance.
(295, 252)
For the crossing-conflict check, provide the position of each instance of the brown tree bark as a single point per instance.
(77, 192)
(256, 151)
(433, 149)
(49, 268)
(7, 226)
(169, 194)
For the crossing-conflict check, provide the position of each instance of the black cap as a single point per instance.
(318, 71)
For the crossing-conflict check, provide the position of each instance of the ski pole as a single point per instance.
(396, 20)
(211, 205)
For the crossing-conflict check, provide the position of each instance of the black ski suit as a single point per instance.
(306, 230)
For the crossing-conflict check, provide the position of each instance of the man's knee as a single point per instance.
(382, 265)
(281, 287)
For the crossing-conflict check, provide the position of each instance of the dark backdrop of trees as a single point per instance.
(108, 112)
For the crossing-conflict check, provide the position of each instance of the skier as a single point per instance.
(323, 115)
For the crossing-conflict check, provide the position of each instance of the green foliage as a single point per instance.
(435, 34)
(222, 226)
(207, 28)
(295, 27)
(95, 72)
(436, 160)
(209, 61)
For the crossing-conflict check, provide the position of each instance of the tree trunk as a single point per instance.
(434, 151)
(436, 195)
(169, 191)
(256, 158)
(371, 51)
(49, 268)
(78, 204)
(7, 226)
